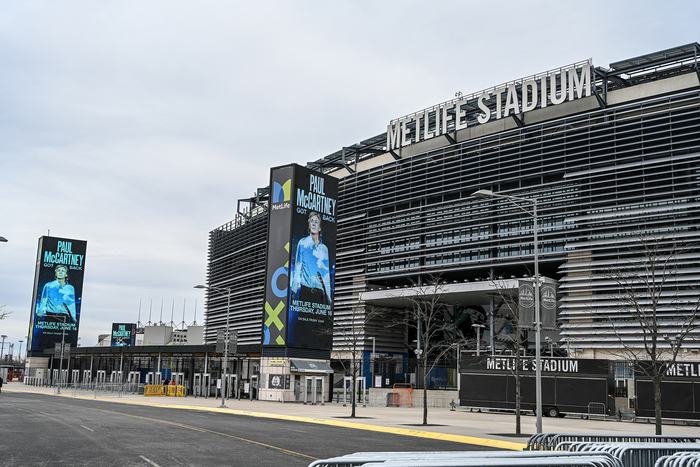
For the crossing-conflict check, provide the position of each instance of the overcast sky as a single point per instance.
(138, 125)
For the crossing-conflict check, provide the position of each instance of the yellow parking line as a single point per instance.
(493, 443)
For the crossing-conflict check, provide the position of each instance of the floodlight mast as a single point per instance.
(483, 193)
(224, 385)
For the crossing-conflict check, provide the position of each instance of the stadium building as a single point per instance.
(611, 156)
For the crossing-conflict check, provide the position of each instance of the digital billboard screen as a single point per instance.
(58, 291)
(312, 274)
(123, 334)
(300, 276)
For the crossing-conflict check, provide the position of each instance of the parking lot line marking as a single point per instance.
(203, 430)
(90, 429)
(150, 461)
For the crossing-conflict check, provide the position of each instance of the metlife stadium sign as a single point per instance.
(300, 271)
(516, 98)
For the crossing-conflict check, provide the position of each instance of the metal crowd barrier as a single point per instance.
(679, 459)
(98, 388)
(176, 391)
(549, 441)
(154, 390)
(162, 390)
(635, 454)
(471, 459)
(656, 453)
(597, 409)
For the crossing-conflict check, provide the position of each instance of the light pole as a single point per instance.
(550, 343)
(226, 340)
(538, 324)
(2, 349)
(63, 344)
(478, 328)
(19, 355)
(371, 365)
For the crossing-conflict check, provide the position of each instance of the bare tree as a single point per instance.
(437, 333)
(650, 302)
(4, 314)
(507, 305)
(350, 337)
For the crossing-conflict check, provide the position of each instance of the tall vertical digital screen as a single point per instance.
(123, 334)
(279, 234)
(58, 292)
(301, 259)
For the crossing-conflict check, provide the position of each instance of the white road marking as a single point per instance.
(290, 429)
(150, 461)
(90, 429)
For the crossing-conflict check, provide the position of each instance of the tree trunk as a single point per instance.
(517, 391)
(354, 388)
(657, 402)
(425, 393)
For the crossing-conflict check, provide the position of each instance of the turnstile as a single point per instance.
(87, 379)
(178, 379)
(253, 386)
(231, 386)
(361, 383)
(201, 384)
(133, 380)
(61, 379)
(312, 386)
(347, 386)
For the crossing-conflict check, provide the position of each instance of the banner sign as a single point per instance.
(526, 305)
(57, 295)
(57, 350)
(548, 308)
(301, 259)
(279, 381)
(123, 334)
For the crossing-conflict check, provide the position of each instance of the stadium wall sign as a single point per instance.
(519, 97)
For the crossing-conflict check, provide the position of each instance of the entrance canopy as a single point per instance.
(457, 293)
(306, 366)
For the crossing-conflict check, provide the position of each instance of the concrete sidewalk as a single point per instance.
(484, 429)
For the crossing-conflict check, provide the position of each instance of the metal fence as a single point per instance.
(679, 459)
(471, 459)
(545, 450)
(549, 441)
(105, 389)
(597, 409)
(634, 454)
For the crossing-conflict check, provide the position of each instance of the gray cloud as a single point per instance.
(137, 125)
